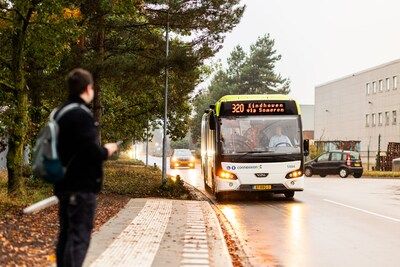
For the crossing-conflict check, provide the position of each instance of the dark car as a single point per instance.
(342, 162)
(182, 158)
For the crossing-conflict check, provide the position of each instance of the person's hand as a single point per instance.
(111, 148)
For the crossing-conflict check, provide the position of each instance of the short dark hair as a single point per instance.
(77, 81)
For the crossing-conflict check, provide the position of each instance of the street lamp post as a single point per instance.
(164, 159)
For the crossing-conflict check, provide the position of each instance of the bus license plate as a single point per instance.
(263, 187)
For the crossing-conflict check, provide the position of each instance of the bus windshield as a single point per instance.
(260, 134)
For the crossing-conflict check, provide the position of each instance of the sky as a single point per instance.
(320, 40)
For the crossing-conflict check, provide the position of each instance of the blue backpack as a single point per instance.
(46, 162)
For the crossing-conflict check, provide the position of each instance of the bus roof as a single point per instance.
(230, 98)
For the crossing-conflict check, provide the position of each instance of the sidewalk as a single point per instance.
(160, 232)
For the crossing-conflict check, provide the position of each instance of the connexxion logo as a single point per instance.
(244, 167)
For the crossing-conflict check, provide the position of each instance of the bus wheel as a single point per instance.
(289, 194)
(219, 196)
(206, 187)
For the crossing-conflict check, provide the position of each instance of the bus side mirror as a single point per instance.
(212, 122)
(306, 147)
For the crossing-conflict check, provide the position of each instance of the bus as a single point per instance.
(253, 143)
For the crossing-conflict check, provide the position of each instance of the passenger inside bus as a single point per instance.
(254, 134)
(232, 140)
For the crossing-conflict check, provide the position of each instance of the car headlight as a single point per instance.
(294, 174)
(227, 175)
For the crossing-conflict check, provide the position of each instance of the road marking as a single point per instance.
(139, 242)
(369, 212)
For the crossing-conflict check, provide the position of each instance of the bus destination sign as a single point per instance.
(256, 108)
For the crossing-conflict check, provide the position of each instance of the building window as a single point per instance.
(374, 87)
(368, 89)
(380, 85)
(387, 84)
(367, 120)
(373, 123)
(394, 82)
(387, 118)
(394, 115)
(380, 118)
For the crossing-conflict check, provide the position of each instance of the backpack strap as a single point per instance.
(67, 108)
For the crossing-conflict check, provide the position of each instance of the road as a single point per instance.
(334, 222)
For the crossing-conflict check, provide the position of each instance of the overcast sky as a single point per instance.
(321, 40)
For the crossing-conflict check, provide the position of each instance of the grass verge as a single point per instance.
(128, 178)
(35, 190)
(121, 177)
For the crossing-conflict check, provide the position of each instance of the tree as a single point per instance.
(252, 73)
(122, 43)
(23, 24)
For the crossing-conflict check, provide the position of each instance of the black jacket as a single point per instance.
(79, 151)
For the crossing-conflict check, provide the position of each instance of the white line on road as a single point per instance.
(369, 212)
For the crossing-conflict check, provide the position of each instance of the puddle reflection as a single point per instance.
(297, 239)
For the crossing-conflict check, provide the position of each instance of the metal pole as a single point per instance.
(147, 145)
(164, 160)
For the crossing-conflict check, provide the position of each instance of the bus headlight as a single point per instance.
(227, 175)
(294, 174)
(173, 159)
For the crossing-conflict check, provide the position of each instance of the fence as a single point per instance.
(385, 158)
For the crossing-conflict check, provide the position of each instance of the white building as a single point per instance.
(360, 107)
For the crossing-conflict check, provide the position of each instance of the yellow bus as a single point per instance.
(253, 143)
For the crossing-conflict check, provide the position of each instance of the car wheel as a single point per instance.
(322, 175)
(343, 173)
(308, 172)
(357, 175)
(289, 194)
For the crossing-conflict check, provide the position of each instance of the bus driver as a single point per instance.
(279, 139)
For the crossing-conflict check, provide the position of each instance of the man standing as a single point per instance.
(83, 158)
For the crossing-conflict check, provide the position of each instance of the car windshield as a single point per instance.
(182, 153)
(260, 134)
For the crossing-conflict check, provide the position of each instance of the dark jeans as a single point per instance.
(76, 215)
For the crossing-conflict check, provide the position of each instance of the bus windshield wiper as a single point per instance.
(251, 152)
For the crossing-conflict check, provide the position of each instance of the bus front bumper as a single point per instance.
(295, 184)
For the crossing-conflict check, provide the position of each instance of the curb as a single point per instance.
(235, 249)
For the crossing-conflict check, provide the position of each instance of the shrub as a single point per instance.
(386, 174)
